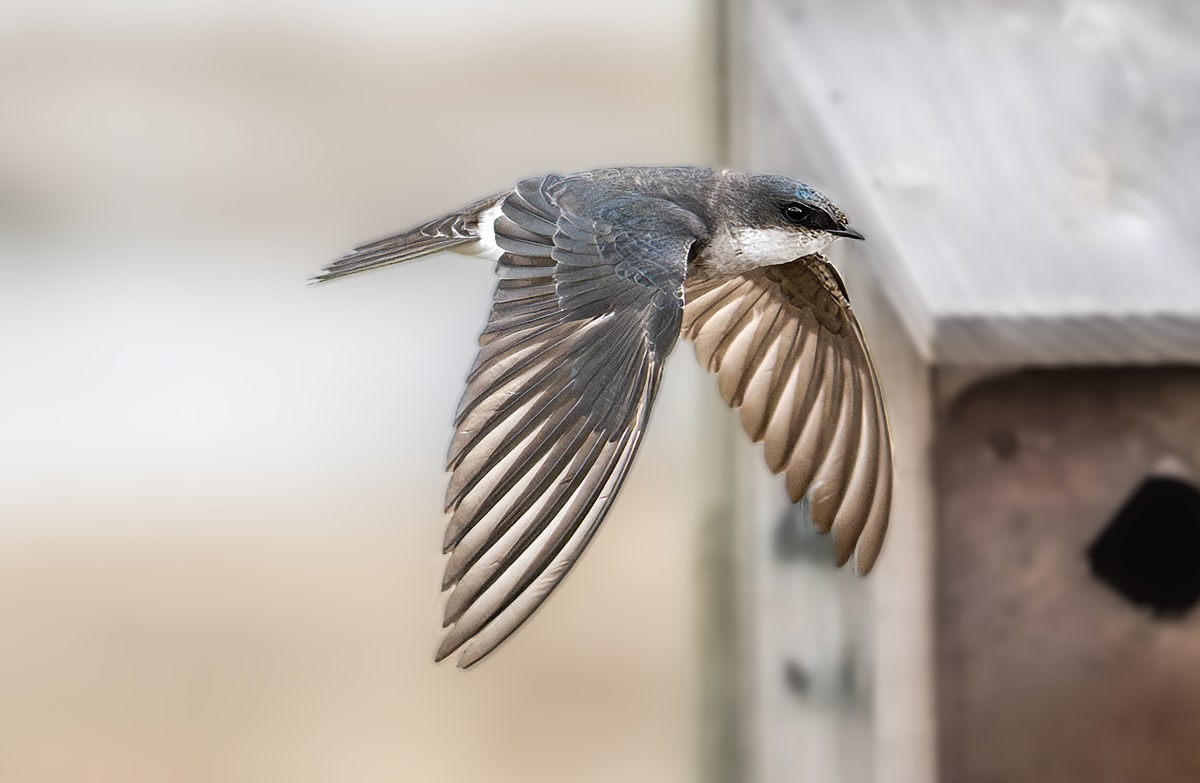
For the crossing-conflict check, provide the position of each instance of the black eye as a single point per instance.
(797, 213)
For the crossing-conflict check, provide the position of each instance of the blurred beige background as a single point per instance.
(220, 491)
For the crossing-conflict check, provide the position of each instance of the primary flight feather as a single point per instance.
(600, 272)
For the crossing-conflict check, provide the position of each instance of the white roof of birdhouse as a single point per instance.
(1028, 176)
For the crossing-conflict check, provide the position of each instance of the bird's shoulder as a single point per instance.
(629, 213)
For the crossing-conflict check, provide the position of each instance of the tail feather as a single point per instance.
(384, 252)
(445, 233)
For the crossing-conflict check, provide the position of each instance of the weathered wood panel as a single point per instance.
(1025, 170)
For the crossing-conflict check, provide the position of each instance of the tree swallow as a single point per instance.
(600, 272)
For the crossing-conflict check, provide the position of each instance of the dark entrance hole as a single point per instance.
(1150, 552)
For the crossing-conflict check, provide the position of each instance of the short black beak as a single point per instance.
(848, 233)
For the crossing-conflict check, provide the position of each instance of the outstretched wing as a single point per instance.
(789, 352)
(589, 303)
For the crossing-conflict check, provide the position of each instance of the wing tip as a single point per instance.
(471, 653)
(866, 554)
(843, 554)
(446, 648)
(863, 567)
(470, 657)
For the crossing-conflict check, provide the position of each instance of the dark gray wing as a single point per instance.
(589, 304)
(789, 352)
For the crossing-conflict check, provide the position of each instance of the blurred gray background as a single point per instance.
(221, 491)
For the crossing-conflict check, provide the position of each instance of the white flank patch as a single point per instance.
(486, 246)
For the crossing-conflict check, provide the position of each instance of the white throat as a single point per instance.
(770, 246)
(743, 249)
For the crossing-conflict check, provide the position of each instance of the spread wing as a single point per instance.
(589, 303)
(789, 352)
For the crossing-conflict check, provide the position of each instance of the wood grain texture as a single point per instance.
(1024, 171)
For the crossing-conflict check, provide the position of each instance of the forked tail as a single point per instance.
(446, 233)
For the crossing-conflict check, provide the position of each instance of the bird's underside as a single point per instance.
(594, 290)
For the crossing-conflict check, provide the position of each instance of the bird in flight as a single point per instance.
(600, 272)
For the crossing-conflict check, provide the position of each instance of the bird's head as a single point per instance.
(776, 219)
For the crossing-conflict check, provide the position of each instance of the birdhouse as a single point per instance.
(1025, 174)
